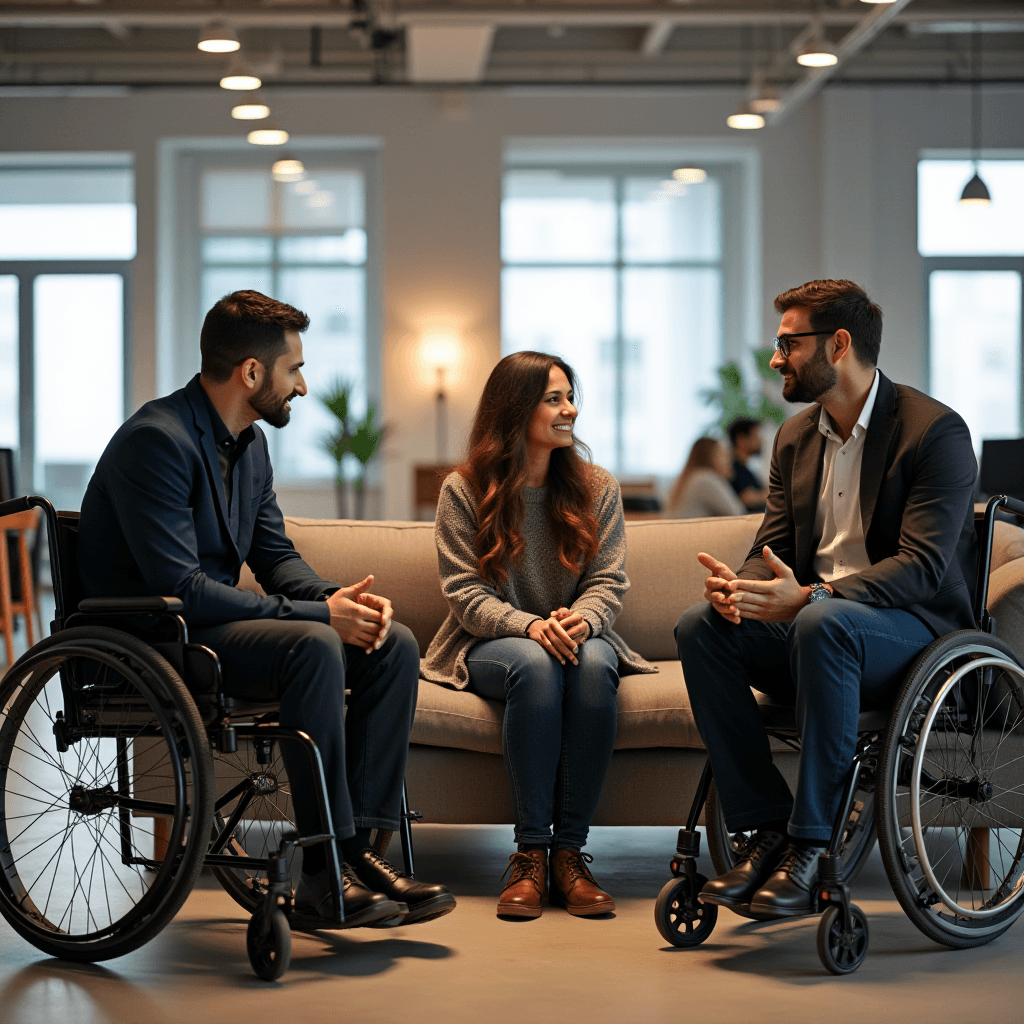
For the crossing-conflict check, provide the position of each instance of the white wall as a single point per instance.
(838, 199)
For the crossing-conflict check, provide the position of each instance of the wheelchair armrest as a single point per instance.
(131, 605)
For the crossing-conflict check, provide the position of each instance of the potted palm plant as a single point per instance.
(732, 399)
(350, 441)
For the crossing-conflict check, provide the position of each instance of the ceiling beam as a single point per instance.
(850, 45)
(100, 15)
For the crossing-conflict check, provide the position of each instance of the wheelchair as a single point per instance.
(938, 779)
(125, 770)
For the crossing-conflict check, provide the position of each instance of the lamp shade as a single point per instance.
(239, 78)
(817, 54)
(218, 38)
(745, 119)
(271, 136)
(287, 170)
(975, 192)
(250, 111)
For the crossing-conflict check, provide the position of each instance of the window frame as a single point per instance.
(178, 358)
(736, 312)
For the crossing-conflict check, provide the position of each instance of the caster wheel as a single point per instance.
(680, 918)
(269, 947)
(840, 951)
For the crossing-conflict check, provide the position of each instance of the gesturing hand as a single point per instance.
(360, 618)
(776, 600)
(716, 586)
(553, 638)
(573, 623)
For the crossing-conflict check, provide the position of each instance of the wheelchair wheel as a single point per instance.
(255, 775)
(97, 736)
(268, 941)
(842, 951)
(681, 918)
(724, 846)
(951, 791)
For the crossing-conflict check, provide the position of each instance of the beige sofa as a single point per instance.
(456, 774)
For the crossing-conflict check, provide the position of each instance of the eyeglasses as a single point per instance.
(783, 340)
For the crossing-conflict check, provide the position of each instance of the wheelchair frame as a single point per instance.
(158, 623)
(680, 917)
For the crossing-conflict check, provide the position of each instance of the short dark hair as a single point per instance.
(839, 305)
(246, 325)
(742, 425)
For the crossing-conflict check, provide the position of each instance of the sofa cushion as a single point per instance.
(653, 711)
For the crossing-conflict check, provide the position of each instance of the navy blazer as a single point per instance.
(155, 522)
(916, 502)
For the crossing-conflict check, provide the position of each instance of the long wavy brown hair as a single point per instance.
(496, 469)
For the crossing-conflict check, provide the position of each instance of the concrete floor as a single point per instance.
(471, 966)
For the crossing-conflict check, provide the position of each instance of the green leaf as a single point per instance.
(763, 356)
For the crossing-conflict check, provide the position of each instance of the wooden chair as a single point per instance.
(22, 522)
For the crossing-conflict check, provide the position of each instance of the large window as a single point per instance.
(622, 273)
(67, 236)
(974, 268)
(306, 243)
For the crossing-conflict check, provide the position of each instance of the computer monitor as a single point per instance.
(1002, 468)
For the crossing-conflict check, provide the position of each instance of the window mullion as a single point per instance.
(620, 341)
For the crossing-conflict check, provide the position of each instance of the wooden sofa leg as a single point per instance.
(976, 872)
(161, 837)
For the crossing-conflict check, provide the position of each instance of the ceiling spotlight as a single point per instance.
(745, 118)
(269, 136)
(690, 175)
(250, 111)
(288, 170)
(816, 52)
(239, 78)
(218, 38)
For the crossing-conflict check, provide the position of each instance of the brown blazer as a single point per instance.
(916, 501)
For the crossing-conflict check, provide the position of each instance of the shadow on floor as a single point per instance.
(214, 946)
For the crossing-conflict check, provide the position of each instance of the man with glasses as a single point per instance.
(866, 555)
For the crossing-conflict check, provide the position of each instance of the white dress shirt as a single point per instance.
(841, 550)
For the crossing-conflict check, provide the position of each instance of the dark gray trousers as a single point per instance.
(305, 668)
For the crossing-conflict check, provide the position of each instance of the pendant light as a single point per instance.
(252, 108)
(218, 38)
(745, 118)
(288, 170)
(239, 78)
(975, 192)
(816, 52)
(271, 135)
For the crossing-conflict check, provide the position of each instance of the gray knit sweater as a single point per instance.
(537, 584)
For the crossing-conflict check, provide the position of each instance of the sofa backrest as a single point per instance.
(661, 562)
(665, 576)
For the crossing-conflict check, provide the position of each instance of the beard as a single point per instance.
(271, 407)
(810, 383)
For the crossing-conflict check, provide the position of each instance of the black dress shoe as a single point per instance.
(790, 890)
(425, 901)
(758, 858)
(363, 907)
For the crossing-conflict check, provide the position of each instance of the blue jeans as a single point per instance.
(834, 658)
(558, 734)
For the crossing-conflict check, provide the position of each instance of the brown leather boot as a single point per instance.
(527, 888)
(575, 887)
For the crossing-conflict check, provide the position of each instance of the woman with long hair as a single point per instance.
(531, 548)
(703, 488)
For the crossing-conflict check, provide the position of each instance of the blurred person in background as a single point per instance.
(745, 438)
(702, 489)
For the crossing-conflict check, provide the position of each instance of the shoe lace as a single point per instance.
(385, 865)
(576, 862)
(522, 865)
(754, 845)
(797, 859)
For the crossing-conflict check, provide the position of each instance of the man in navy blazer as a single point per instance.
(866, 554)
(181, 497)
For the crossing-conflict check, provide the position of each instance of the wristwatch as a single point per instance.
(819, 592)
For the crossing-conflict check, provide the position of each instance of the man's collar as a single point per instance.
(222, 437)
(825, 421)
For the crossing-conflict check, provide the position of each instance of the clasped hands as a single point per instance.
(560, 634)
(776, 600)
(360, 618)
